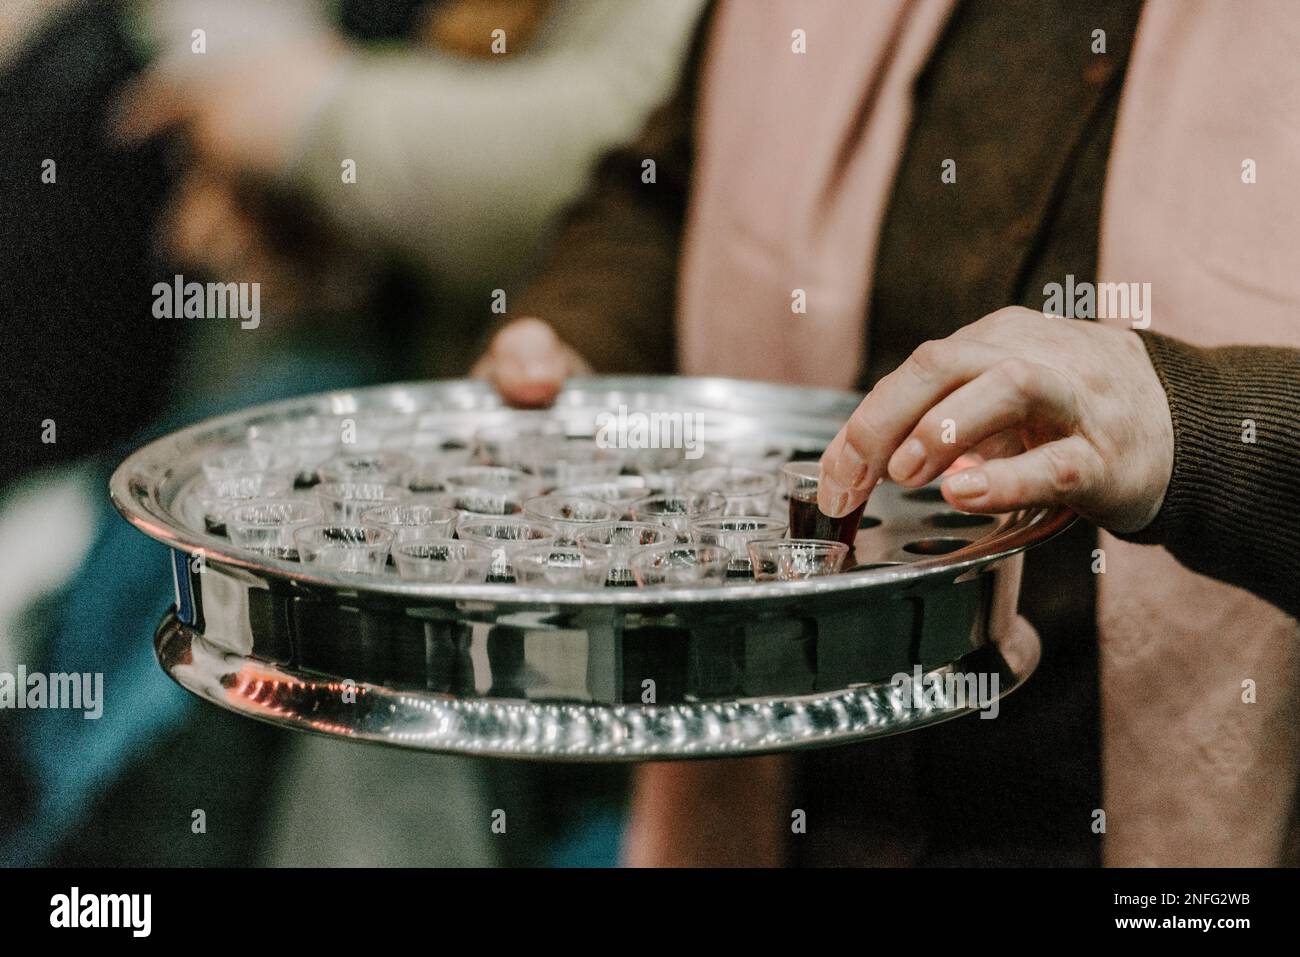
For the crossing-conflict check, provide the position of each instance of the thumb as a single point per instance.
(528, 363)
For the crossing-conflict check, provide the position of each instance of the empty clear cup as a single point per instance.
(665, 471)
(411, 522)
(734, 533)
(442, 560)
(508, 444)
(475, 503)
(560, 566)
(387, 468)
(433, 455)
(747, 491)
(620, 492)
(230, 464)
(570, 514)
(557, 460)
(437, 499)
(683, 566)
(311, 441)
(617, 542)
(208, 502)
(345, 501)
(677, 510)
(266, 526)
(367, 431)
(752, 451)
(505, 536)
(651, 460)
(356, 549)
(493, 478)
(794, 559)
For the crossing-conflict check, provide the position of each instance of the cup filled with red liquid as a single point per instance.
(806, 519)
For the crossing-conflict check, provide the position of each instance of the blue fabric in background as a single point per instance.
(596, 840)
(105, 622)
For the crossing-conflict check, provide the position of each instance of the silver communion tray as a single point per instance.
(601, 674)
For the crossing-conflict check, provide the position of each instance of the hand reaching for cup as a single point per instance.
(1050, 411)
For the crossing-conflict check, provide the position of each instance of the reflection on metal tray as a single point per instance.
(597, 674)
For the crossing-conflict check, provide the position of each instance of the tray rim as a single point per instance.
(134, 484)
(1019, 653)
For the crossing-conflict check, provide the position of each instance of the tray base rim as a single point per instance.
(178, 647)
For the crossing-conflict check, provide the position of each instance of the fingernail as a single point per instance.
(968, 484)
(832, 497)
(907, 460)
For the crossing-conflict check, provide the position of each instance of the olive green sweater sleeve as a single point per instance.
(1229, 511)
(608, 283)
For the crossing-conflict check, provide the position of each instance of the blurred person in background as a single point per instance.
(462, 153)
(908, 168)
(464, 141)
